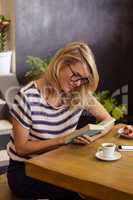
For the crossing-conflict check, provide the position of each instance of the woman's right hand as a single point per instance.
(82, 140)
(63, 139)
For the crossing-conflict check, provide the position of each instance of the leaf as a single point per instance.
(101, 96)
(108, 105)
(117, 113)
(123, 108)
(114, 101)
(36, 66)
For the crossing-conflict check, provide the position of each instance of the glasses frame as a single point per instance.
(75, 77)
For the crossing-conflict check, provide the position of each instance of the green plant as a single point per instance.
(36, 66)
(111, 104)
(4, 25)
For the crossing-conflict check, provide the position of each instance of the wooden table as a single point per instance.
(75, 167)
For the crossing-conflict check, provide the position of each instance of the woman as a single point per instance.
(48, 108)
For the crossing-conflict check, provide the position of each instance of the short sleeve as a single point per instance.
(20, 110)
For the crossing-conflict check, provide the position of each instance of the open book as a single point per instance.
(92, 129)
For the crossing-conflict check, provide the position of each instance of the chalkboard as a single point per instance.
(43, 26)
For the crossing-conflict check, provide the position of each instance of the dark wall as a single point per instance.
(43, 26)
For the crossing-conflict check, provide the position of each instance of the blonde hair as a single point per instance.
(72, 53)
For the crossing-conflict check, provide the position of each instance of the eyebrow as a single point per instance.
(77, 73)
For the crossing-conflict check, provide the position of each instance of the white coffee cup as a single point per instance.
(108, 149)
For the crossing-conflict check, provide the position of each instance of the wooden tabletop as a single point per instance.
(75, 167)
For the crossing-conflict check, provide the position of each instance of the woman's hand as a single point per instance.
(82, 140)
(95, 137)
(85, 139)
(61, 139)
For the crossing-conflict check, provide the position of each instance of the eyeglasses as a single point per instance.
(76, 77)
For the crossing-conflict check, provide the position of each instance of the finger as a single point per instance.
(77, 141)
(85, 140)
(95, 137)
(88, 138)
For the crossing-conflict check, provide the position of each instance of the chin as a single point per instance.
(67, 91)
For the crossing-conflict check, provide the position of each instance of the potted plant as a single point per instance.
(36, 67)
(112, 105)
(5, 56)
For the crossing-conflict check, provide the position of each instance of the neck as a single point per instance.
(50, 94)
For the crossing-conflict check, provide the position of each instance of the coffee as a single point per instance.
(109, 145)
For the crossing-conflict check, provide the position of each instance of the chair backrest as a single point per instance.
(8, 87)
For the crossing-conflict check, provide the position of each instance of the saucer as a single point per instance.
(116, 156)
(121, 133)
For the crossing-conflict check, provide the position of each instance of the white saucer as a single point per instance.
(121, 133)
(100, 156)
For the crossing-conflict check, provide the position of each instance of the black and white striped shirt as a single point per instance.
(32, 111)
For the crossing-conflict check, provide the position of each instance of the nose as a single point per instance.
(78, 83)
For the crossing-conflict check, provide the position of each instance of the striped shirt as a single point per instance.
(42, 120)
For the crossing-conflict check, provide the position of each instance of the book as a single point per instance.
(5, 127)
(91, 129)
(107, 124)
(4, 158)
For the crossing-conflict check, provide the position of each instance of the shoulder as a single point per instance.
(26, 94)
(28, 91)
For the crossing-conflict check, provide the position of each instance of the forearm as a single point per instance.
(98, 110)
(38, 146)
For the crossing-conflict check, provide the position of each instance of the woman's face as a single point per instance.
(71, 77)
